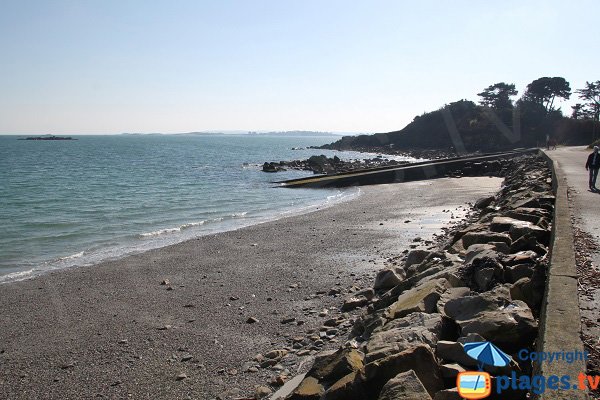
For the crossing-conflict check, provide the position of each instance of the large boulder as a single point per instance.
(484, 202)
(419, 358)
(347, 388)
(472, 238)
(481, 250)
(388, 278)
(309, 389)
(422, 298)
(330, 367)
(405, 385)
(401, 334)
(495, 316)
(451, 294)
(525, 289)
(415, 257)
(455, 352)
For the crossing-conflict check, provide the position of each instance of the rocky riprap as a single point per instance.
(484, 282)
(325, 165)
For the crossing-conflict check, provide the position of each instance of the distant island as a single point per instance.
(47, 137)
(293, 133)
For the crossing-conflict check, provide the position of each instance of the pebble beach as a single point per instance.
(188, 320)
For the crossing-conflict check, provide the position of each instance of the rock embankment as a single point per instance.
(485, 283)
(325, 165)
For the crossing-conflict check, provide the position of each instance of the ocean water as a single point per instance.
(67, 203)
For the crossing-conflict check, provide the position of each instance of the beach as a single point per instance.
(173, 322)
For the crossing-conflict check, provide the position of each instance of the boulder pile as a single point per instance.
(325, 165)
(484, 283)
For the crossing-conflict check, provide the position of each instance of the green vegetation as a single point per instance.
(497, 122)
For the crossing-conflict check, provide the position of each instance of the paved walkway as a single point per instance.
(585, 208)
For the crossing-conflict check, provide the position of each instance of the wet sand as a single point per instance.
(114, 331)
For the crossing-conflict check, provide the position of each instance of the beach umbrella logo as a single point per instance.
(487, 354)
(478, 384)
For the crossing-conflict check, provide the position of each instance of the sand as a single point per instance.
(114, 331)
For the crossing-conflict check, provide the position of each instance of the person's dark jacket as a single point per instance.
(591, 163)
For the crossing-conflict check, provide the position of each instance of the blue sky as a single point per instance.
(177, 66)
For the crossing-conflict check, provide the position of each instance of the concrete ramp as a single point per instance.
(393, 174)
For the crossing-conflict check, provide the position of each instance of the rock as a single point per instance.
(345, 389)
(494, 316)
(521, 257)
(481, 250)
(387, 278)
(472, 238)
(272, 167)
(165, 282)
(433, 259)
(470, 338)
(186, 357)
(288, 320)
(261, 392)
(525, 290)
(330, 367)
(268, 363)
(527, 228)
(276, 354)
(451, 371)
(515, 272)
(368, 293)
(454, 351)
(484, 202)
(181, 377)
(483, 278)
(451, 294)
(403, 333)
(420, 359)
(252, 320)
(405, 385)
(447, 394)
(415, 257)
(528, 242)
(354, 302)
(501, 247)
(309, 389)
(422, 298)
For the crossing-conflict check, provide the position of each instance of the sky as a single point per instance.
(112, 66)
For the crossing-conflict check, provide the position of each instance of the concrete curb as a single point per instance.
(560, 321)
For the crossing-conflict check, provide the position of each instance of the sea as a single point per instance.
(80, 202)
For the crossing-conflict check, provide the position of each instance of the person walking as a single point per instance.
(592, 165)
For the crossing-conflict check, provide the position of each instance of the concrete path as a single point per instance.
(585, 209)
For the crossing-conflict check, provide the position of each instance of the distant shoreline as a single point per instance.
(48, 138)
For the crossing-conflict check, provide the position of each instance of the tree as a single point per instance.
(578, 111)
(591, 94)
(544, 91)
(498, 96)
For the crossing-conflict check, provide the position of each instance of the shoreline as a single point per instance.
(163, 238)
(113, 329)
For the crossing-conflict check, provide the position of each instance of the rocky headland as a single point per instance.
(484, 282)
